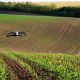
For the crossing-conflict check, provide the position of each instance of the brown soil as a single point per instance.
(60, 35)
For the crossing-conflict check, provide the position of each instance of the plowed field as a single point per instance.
(46, 34)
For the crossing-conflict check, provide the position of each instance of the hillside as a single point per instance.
(46, 34)
(59, 4)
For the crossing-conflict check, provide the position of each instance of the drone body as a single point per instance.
(17, 33)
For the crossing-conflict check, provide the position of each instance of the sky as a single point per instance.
(35, 0)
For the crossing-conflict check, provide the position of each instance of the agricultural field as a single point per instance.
(45, 33)
(50, 50)
(39, 66)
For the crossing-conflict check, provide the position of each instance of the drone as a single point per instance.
(16, 33)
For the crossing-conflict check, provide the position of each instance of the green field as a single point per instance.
(50, 51)
(43, 66)
(16, 18)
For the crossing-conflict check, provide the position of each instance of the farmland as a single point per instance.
(45, 33)
(40, 66)
(50, 51)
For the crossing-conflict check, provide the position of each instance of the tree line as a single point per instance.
(39, 9)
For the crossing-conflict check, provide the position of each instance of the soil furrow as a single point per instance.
(44, 73)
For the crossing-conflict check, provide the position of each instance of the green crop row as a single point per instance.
(3, 72)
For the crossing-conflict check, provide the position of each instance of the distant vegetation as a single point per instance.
(40, 9)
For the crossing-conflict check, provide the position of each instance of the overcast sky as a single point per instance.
(35, 0)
